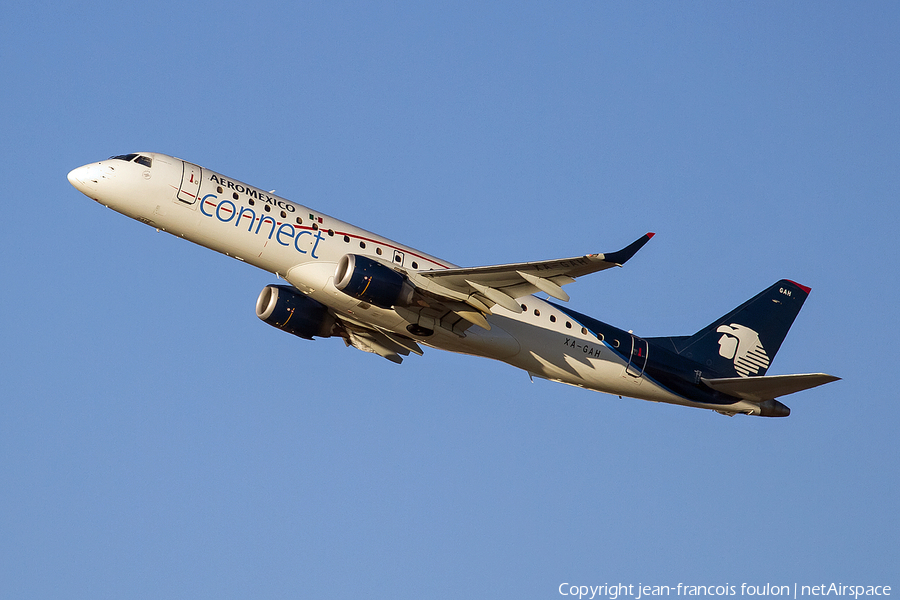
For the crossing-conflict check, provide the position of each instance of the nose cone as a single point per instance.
(79, 178)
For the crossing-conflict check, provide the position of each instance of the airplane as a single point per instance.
(389, 299)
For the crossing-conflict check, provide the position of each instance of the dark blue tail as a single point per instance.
(744, 342)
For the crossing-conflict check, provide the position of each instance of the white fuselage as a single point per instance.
(303, 246)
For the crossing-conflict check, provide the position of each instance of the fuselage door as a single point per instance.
(190, 183)
(638, 361)
(398, 258)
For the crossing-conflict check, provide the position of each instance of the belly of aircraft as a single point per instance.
(585, 362)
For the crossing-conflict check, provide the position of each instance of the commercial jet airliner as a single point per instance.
(383, 297)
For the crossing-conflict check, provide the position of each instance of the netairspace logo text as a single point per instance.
(646, 592)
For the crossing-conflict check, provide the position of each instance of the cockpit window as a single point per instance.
(141, 160)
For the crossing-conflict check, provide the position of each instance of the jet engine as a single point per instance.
(283, 307)
(371, 281)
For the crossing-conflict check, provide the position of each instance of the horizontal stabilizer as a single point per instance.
(767, 387)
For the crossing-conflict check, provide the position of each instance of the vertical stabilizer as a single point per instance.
(744, 342)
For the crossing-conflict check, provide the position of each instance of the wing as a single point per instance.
(481, 288)
(455, 299)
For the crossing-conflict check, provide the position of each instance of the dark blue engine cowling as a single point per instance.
(283, 307)
(371, 281)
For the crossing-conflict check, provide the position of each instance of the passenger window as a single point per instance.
(553, 318)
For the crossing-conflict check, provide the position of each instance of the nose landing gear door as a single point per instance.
(190, 183)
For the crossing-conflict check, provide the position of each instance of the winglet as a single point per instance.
(622, 256)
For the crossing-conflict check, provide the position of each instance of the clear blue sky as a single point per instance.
(158, 441)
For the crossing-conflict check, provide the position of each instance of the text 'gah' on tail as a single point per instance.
(744, 342)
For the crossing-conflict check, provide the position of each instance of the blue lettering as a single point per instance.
(252, 214)
(271, 220)
(319, 238)
(297, 240)
(227, 211)
(232, 211)
(286, 229)
(203, 204)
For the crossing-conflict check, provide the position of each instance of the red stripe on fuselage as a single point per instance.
(342, 233)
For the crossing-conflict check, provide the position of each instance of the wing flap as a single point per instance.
(390, 345)
(371, 341)
(768, 387)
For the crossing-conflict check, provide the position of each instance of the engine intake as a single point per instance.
(282, 307)
(371, 281)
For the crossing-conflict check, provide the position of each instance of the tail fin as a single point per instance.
(744, 342)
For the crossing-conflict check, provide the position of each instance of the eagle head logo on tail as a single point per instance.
(742, 344)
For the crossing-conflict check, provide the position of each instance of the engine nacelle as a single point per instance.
(371, 281)
(283, 307)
